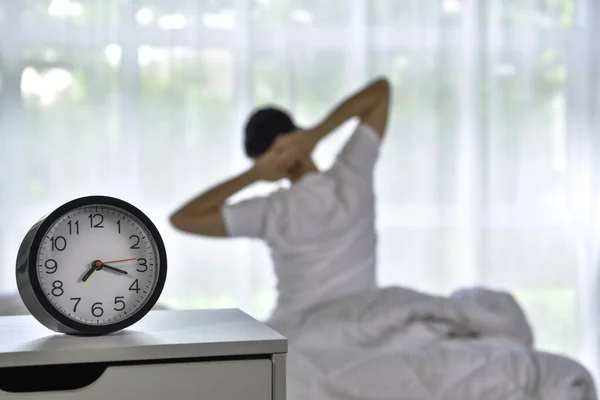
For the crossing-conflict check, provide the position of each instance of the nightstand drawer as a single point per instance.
(209, 380)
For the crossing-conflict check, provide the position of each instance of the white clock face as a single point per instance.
(98, 265)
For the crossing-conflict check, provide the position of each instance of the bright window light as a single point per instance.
(144, 16)
(302, 16)
(65, 8)
(172, 21)
(30, 81)
(47, 85)
(113, 54)
(451, 6)
(60, 79)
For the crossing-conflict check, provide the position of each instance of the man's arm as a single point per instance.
(370, 105)
(202, 215)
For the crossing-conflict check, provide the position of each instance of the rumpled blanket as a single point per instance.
(397, 343)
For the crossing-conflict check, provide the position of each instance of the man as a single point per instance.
(321, 230)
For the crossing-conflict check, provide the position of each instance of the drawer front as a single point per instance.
(213, 380)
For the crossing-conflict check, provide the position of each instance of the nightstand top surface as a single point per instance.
(160, 335)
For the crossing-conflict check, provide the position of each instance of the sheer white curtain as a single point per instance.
(145, 100)
(584, 176)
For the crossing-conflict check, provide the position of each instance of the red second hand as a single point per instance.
(117, 261)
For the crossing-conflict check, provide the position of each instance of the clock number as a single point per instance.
(119, 225)
(136, 237)
(71, 224)
(135, 286)
(50, 269)
(119, 300)
(92, 217)
(142, 262)
(97, 310)
(57, 289)
(59, 243)
(76, 300)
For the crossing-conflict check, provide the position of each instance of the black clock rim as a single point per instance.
(78, 327)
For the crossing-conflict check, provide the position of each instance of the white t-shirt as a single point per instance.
(321, 230)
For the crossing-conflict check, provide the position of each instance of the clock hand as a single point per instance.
(89, 273)
(89, 278)
(113, 269)
(96, 265)
(118, 261)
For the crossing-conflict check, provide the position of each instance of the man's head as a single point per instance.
(263, 127)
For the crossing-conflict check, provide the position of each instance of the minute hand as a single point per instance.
(113, 269)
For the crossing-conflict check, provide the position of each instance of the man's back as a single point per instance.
(320, 231)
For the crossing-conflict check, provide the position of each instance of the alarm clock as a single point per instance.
(94, 266)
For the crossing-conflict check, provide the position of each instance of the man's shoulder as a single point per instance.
(360, 153)
(365, 129)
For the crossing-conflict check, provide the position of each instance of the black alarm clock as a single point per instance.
(94, 266)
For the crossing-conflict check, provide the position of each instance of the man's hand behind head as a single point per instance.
(301, 141)
(275, 164)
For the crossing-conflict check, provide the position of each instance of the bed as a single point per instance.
(450, 370)
(396, 343)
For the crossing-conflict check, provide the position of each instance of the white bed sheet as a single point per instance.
(478, 369)
(563, 378)
(399, 344)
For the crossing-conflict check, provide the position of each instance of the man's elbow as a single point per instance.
(176, 220)
(181, 222)
(208, 225)
(383, 86)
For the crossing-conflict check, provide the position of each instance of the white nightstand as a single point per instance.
(169, 355)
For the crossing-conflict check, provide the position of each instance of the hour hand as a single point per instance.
(88, 273)
(120, 271)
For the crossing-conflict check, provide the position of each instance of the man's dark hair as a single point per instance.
(263, 126)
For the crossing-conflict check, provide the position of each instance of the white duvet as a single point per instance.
(400, 344)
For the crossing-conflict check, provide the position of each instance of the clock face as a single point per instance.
(98, 264)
